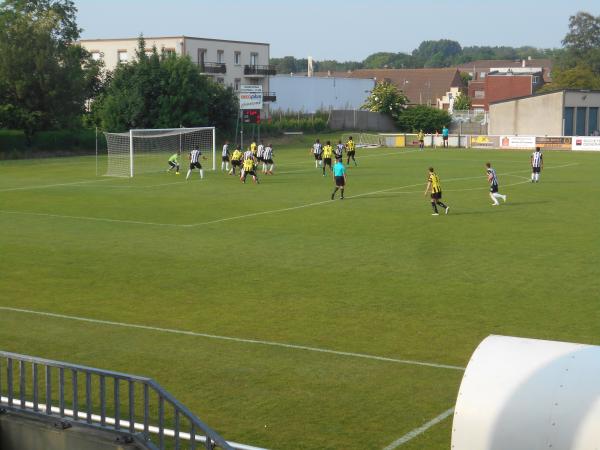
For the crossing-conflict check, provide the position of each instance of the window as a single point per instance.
(122, 56)
(580, 126)
(535, 79)
(592, 120)
(482, 74)
(236, 84)
(220, 56)
(96, 55)
(201, 56)
(253, 59)
(479, 94)
(237, 58)
(168, 51)
(221, 80)
(568, 117)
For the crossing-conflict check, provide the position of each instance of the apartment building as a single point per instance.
(233, 63)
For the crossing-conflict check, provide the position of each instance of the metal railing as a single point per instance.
(210, 67)
(259, 70)
(128, 404)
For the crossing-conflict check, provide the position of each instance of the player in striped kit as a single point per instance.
(225, 157)
(493, 180)
(435, 187)
(195, 156)
(339, 150)
(537, 164)
(317, 150)
(268, 160)
(260, 151)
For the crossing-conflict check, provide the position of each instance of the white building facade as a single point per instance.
(233, 63)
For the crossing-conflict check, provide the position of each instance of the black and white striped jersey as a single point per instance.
(248, 155)
(536, 159)
(225, 150)
(492, 177)
(339, 150)
(260, 150)
(317, 148)
(195, 155)
(267, 153)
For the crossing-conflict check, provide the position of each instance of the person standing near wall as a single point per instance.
(445, 135)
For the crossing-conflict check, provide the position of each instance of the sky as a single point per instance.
(337, 29)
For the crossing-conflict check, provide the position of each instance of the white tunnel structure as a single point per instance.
(529, 394)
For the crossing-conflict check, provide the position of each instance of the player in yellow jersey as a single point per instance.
(435, 187)
(327, 155)
(254, 148)
(236, 160)
(351, 151)
(248, 169)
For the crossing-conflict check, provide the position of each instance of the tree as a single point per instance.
(578, 77)
(424, 118)
(584, 33)
(45, 77)
(387, 99)
(462, 103)
(164, 91)
(441, 53)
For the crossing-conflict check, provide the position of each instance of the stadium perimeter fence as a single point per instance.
(478, 141)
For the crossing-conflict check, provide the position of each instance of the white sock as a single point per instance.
(316, 163)
(188, 174)
(532, 176)
(201, 174)
(494, 199)
(226, 166)
(271, 169)
(537, 177)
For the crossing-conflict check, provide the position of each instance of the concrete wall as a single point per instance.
(360, 120)
(20, 432)
(538, 115)
(310, 94)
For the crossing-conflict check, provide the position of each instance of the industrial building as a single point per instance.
(563, 113)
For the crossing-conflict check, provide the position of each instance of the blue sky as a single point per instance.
(337, 29)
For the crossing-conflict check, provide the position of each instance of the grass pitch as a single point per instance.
(280, 263)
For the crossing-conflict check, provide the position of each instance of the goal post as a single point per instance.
(147, 150)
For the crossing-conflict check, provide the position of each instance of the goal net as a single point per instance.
(365, 140)
(146, 151)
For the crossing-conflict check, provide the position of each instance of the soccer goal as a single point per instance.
(146, 151)
(366, 140)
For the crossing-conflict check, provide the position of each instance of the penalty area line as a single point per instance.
(420, 430)
(233, 339)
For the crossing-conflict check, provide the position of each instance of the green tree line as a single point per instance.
(431, 53)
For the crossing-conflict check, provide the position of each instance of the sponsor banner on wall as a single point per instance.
(517, 141)
(591, 143)
(560, 143)
(251, 97)
(484, 142)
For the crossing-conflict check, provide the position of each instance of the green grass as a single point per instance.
(374, 274)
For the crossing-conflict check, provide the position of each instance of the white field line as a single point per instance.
(45, 186)
(233, 339)
(244, 216)
(420, 430)
(124, 424)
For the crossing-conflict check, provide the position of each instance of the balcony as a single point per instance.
(269, 97)
(212, 68)
(259, 71)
